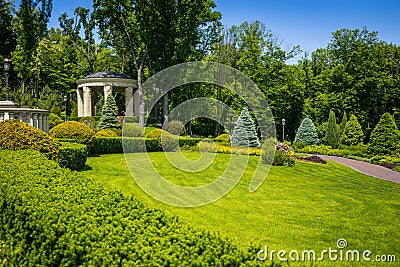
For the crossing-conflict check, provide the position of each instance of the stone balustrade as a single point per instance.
(38, 118)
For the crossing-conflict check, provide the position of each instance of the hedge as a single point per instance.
(112, 145)
(72, 155)
(50, 216)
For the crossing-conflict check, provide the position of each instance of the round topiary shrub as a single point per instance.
(106, 133)
(156, 133)
(223, 137)
(176, 128)
(74, 130)
(15, 134)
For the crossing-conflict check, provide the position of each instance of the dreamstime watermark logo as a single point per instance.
(340, 253)
(209, 73)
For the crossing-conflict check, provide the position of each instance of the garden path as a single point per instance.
(367, 168)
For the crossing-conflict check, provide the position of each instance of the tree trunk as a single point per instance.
(165, 108)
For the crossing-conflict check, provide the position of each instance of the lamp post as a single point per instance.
(7, 65)
(283, 130)
(65, 102)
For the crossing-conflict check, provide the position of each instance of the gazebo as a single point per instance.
(106, 81)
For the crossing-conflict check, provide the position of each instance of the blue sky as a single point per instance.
(308, 23)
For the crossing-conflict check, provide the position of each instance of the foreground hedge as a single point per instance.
(50, 216)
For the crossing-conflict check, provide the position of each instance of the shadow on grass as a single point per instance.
(85, 168)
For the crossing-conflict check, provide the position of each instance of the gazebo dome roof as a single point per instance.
(108, 74)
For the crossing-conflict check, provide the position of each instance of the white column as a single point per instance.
(40, 121)
(136, 103)
(1, 116)
(79, 93)
(35, 120)
(129, 101)
(6, 116)
(87, 102)
(30, 119)
(107, 92)
(46, 123)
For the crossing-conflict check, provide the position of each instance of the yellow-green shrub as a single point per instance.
(223, 137)
(165, 139)
(15, 134)
(74, 130)
(106, 133)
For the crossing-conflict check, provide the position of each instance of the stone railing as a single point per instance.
(38, 118)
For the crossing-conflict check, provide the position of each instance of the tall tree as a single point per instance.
(133, 27)
(32, 19)
(83, 22)
(8, 35)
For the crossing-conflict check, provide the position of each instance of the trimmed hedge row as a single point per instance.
(72, 155)
(110, 145)
(50, 216)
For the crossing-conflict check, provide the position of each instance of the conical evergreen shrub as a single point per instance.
(306, 133)
(109, 114)
(332, 131)
(244, 133)
(385, 138)
(352, 134)
(343, 123)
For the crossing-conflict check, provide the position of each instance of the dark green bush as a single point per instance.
(112, 145)
(188, 141)
(72, 156)
(15, 134)
(74, 130)
(50, 216)
(282, 159)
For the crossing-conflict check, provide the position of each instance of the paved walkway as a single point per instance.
(367, 168)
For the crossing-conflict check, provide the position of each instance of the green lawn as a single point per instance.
(308, 206)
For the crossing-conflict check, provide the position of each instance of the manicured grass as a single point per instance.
(308, 206)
